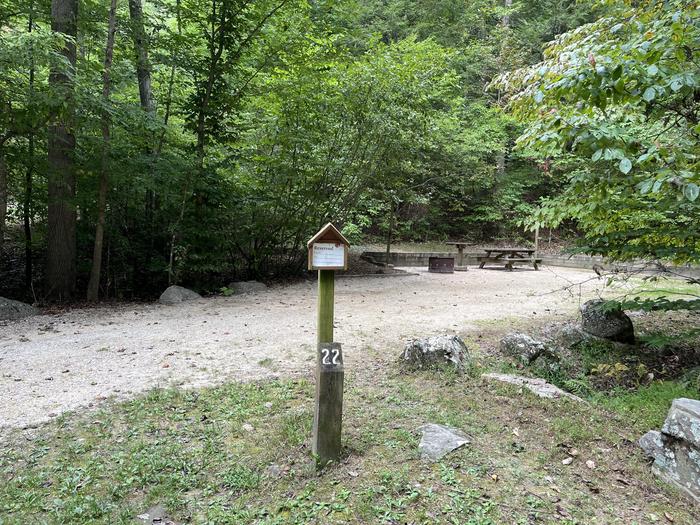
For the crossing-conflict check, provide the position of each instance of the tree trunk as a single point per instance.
(501, 154)
(3, 198)
(390, 233)
(143, 74)
(506, 16)
(143, 67)
(29, 175)
(95, 272)
(61, 263)
(171, 83)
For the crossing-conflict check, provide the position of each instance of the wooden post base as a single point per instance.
(328, 413)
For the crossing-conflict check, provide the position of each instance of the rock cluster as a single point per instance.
(435, 351)
(676, 449)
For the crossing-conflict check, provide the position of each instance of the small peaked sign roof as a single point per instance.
(328, 233)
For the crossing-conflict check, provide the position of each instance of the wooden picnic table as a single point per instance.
(461, 245)
(509, 256)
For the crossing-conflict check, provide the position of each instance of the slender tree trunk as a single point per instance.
(390, 233)
(143, 74)
(95, 272)
(216, 50)
(3, 197)
(506, 16)
(27, 218)
(29, 175)
(171, 82)
(61, 263)
(143, 66)
(501, 154)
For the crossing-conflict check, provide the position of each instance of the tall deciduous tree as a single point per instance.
(94, 284)
(61, 263)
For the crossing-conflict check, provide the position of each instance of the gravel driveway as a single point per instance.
(53, 363)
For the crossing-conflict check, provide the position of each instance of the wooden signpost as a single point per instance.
(328, 252)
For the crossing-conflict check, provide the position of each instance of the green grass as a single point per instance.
(646, 407)
(656, 287)
(206, 456)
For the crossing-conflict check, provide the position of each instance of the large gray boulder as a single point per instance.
(12, 310)
(177, 294)
(676, 449)
(435, 351)
(439, 440)
(523, 347)
(241, 287)
(613, 325)
(683, 421)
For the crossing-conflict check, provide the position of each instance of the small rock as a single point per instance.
(155, 516)
(613, 325)
(523, 347)
(274, 471)
(590, 464)
(177, 294)
(540, 387)
(436, 350)
(241, 287)
(248, 427)
(268, 405)
(439, 440)
(567, 461)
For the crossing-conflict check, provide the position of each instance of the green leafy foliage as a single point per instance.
(615, 105)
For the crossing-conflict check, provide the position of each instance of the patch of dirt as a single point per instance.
(57, 362)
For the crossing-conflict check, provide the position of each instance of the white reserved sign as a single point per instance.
(328, 255)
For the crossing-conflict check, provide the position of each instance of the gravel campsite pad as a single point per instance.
(54, 363)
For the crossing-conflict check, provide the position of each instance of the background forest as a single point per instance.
(147, 142)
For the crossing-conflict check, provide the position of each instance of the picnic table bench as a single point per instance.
(509, 257)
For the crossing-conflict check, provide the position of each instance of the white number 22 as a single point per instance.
(326, 355)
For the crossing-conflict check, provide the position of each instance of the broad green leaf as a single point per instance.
(645, 186)
(691, 191)
(625, 165)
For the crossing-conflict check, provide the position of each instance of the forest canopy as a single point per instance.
(148, 142)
